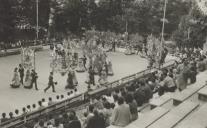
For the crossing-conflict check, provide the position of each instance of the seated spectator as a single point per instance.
(121, 115)
(90, 113)
(132, 106)
(51, 120)
(50, 125)
(58, 124)
(44, 103)
(34, 107)
(24, 111)
(57, 98)
(40, 124)
(107, 113)
(62, 97)
(4, 119)
(11, 115)
(115, 97)
(16, 113)
(84, 123)
(139, 95)
(76, 92)
(109, 97)
(98, 104)
(29, 108)
(40, 105)
(50, 101)
(167, 85)
(65, 120)
(201, 65)
(97, 121)
(68, 93)
(73, 121)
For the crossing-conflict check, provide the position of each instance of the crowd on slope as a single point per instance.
(120, 107)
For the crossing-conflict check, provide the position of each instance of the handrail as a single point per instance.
(79, 99)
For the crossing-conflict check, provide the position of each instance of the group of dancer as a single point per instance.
(28, 81)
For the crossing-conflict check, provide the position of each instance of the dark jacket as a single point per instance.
(96, 122)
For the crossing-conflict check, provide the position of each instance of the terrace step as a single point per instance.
(175, 115)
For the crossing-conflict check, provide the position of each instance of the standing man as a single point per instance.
(21, 73)
(34, 79)
(84, 61)
(114, 45)
(50, 83)
(91, 77)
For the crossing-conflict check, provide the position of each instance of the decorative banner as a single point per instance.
(28, 56)
(202, 5)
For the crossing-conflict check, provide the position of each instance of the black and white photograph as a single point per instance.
(103, 63)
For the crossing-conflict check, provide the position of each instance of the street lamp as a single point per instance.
(163, 23)
(37, 19)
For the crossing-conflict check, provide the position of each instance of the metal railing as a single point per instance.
(79, 100)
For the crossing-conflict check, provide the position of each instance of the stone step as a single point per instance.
(160, 101)
(202, 94)
(187, 93)
(148, 118)
(198, 119)
(175, 115)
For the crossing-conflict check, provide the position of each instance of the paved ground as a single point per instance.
(11, 99)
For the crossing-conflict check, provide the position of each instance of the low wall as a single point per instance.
(17, 51)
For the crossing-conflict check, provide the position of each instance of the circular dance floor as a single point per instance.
(11, 99)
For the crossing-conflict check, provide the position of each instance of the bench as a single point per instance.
(148, 118)
(160, 101)
(196, 120)
(175, 115)
(185, 94)
(202, 94)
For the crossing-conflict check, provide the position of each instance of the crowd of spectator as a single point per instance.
(120, 107)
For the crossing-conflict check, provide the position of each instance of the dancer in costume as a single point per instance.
(84, 61)
(103, 77)
(81, 67)
(110, 70)
(69, 84)
(28, 79)
(21, 73)
(16, 80)
(75, 81)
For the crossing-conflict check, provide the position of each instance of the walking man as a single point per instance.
(21, 73)
(50, 83)
(34, 79)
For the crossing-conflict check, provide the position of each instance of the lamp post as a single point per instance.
(37, 19)
(163, 23)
